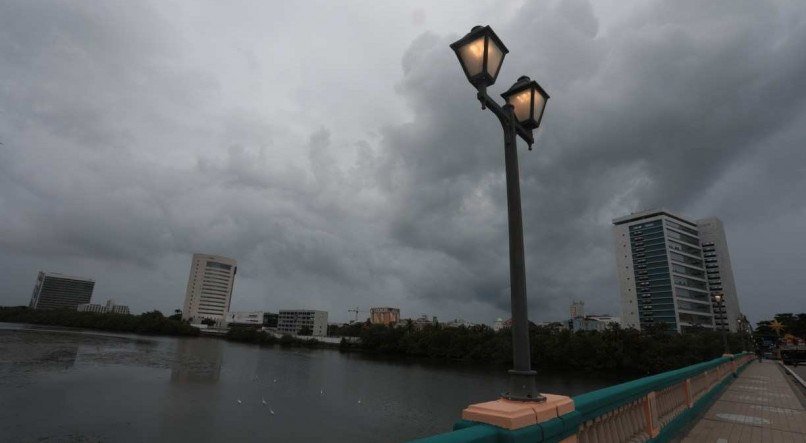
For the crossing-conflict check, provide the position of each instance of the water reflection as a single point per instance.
(190, 403)
(95, 386)
(29, 351)
(197, 360)
(58, 359)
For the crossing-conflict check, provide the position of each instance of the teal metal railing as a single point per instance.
(651, 409)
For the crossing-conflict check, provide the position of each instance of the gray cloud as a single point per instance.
(128, 145)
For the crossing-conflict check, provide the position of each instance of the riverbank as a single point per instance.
(254, 336)
(615, 351)
(147, 323)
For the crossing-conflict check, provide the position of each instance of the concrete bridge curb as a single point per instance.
(650, 409)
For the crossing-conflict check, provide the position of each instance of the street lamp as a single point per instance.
(481, 54)
(719, 298)
(528, 100)
(742, 331)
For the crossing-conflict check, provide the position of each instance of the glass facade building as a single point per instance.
(662, 274)
(59, 291)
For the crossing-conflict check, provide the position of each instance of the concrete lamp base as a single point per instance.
(510, 414)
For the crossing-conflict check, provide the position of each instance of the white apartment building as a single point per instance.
(109, 308)
(119, 309)
(252, 318)
(592, 322)
(91, 307)
(719, 273)
(209, 289)
(292, 322)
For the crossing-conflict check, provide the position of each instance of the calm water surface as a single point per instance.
(64, 385)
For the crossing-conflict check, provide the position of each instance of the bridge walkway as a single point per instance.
(761, 405)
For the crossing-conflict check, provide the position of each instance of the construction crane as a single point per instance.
(356, 311)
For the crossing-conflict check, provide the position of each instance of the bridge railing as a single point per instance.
(648, 409)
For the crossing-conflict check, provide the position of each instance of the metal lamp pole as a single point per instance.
(481, 54)
(522, 377)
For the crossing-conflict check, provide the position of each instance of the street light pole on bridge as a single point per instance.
(481, 54)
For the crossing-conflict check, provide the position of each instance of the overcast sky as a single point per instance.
(337, 152)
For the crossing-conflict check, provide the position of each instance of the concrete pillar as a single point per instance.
(510, 414)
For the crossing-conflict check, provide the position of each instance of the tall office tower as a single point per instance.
(58, 291)
(661, 272)
(209, 290)
(719, 273)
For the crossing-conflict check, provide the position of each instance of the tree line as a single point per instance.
(146, 323)
(248, 334)
(793, 324)
(613, 351)
(627, 352)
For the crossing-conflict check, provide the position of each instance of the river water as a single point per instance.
(66, 385)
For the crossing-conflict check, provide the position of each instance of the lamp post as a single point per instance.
(481, 54)
(720, 303)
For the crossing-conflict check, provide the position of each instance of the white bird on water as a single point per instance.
(322, 391)
(263, 400)
(239, 401)
(271, 411)
(359, 401)
(275, 380)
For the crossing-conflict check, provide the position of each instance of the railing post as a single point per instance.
(732, 363)
(651, 415)
(689, 396)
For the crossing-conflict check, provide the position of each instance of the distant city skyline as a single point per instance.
(133, 136)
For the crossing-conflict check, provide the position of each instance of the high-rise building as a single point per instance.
(294, 321)
(719, 273)
(209, 290)
(661, 271)
(577, 309)
(384, 316)
(59, 291)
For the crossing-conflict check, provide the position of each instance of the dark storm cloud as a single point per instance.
(652, 113)
(126, 148)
